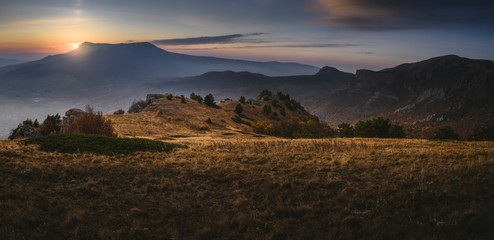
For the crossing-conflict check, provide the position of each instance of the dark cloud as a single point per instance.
(326, 45)
(405, 14)
(234, 38)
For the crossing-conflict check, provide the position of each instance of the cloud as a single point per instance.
(324, 45)
(403, 14)
(224, 39)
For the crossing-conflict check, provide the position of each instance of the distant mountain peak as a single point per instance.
(99, 46)
(326, 70)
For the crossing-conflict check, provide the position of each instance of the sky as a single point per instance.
(347, 34)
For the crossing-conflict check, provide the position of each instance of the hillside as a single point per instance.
(447, 90)
(106, 76)
(165, 117)
(252, 188)
(97, 67)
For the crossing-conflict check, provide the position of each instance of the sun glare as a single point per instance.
(74, 45)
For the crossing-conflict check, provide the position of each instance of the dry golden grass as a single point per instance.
(239, 187)
(165, 118)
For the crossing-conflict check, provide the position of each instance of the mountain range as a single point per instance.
(447, 90)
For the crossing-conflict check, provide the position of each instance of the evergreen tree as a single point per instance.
(209, 100)
(239, 109)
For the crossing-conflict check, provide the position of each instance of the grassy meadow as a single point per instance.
(252, 188)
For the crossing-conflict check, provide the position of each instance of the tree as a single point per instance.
(266, 109)
(209, 100)
(396, 131)
(445, 133)
(51, 124)
(182, 99)
(137, 106)
(198, 98)
(283, 112)
(242, 99)
(239, 109)
(485, 133)
(345, 130)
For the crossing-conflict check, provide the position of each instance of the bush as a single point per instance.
(50, 125)
(484, 133)
(209, 100)
(266, 109)
(198, 98)
(396, 131)
(283, 97)
(378, 128)
(265, 93)
(345, 130)
(182, 99)
(137, 106)
(93, 123)
(169, 97)
(315, 129)
(209, 121)
(119, 112)
(239, 120)
(84, 143)
(283, 112)
(445, 133)
(242, 99)
(239, 109)
(28, 122)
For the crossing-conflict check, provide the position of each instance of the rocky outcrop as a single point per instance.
(71, 116)
(24, 131)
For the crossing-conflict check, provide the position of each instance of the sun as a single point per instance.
(74, 46)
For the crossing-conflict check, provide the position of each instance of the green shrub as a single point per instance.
(239, 109)
(169, 97)
(209, 121)
(345, 130)
(242, 99)
(266, 109)
(196, 97)
(445, 133)
(137, 106)
(283, 112)
(98, 144)
(239, 120)
(378, 128)
(209, 100)
(484, 133)
(264, 93)
(283, 97)
(182, 99)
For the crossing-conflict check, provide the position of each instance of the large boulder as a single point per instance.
(71, 116)
(24, 131)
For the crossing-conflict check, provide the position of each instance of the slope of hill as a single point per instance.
(165, 117)
(105, 76)
(101, 66)
(7, 61)
(447, 90)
